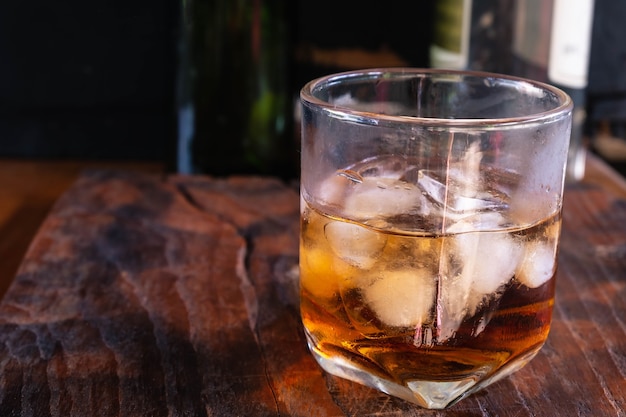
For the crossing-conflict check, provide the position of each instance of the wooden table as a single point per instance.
(147, 295)
(28, 189)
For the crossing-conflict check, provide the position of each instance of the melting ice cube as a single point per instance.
(382, 197)
(479, 264)
(453, 292)
(489, 259)
(459, 186)
(457, 196)
(355, 244)
(478, 221)
(333, 189)
(538, 264)
(402, 298)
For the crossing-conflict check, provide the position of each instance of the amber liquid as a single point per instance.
(340, 297)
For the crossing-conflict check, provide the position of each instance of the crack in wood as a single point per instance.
(247, 288)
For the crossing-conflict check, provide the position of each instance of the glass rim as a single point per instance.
(565, 103)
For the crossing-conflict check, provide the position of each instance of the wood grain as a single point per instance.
(145, 295)
(28, 189)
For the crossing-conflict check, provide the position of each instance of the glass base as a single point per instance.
(434, 395)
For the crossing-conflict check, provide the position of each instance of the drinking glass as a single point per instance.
(430, 221)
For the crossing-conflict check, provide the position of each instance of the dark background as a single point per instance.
(87, 79)
(97, 79)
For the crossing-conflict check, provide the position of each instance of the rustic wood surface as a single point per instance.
(28, 189)
(146, 295)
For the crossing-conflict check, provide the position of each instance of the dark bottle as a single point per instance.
(545, 40)
(551, 43)
(472, 35)
(234, 98)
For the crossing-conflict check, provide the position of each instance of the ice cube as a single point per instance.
(455, 194)
(402, 298)
(383, 166)
(382, 197)
(477, 221)
(355, 244)
(319, 264)
(489, 259)
(453, 292)
(476, 265)
(333, 189)
(538, 264)
(459, 189)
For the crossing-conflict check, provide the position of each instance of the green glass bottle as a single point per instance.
(235, 106)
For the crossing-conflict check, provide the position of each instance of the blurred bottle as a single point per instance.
(545, 40)
(234, 99)
(474, 35)
(606, 93)
(551, 43)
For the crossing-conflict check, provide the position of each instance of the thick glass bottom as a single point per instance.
(429, 394)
